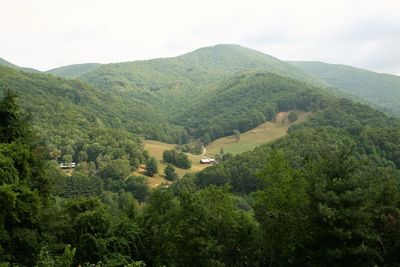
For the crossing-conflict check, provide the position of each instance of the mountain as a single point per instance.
(60, 106)
(245, 101)
(74, 71)
(326, 194)
(343, 128)
(168, 83)
(196, 69)
(380, 89)
(5, 63)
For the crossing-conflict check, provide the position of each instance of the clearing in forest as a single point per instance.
(264, 133)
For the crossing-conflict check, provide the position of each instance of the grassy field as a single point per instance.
(156, 150)
(262, 134)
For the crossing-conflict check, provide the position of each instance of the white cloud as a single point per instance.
(50, 33)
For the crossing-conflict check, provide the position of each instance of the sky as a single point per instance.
(45, 34)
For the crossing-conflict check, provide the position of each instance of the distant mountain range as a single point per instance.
(158, 80)
(378, 88)
(5, 63)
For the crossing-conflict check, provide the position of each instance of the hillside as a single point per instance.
(332, 176)
(244, 102)
(343, 127)
(262, 134)
(73, 71)
(71, 109)
(166, 83)
(377, 88)
(199, 68)
(5, 63)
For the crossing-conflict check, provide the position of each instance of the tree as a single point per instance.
(339, 188)
(13, 124)
(88, 224)
(24, 187)
(169, 156)
(206, 139)
(282, 208)
(118, 169)
(292, 117)
(67, 158)
(138, 187)
(236, 133)
(183, 161)
(170, 173)
(179, 159)
(151, 167)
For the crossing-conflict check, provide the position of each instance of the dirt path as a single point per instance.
(204, 151)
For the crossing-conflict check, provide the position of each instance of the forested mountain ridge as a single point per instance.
(244, 102)
(326, 194)
(60, 106)
(178, 79)
(73, 71)
(362, 131)
(198, 68)
(380, 89)
(168, 83)
(5, 63)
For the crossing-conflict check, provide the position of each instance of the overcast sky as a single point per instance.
(45, 34)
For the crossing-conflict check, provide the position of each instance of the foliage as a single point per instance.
(292, 117)
(151, 166)
(170, 173)
(377, 88)
(282, 209)
(326, 194)
(138, 187)
(24, 186)
(179, 159)
(205, 228)
(244, 102)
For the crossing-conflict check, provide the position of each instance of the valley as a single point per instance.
(266, 132)
(310, 153)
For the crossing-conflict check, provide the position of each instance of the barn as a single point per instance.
(207, 161)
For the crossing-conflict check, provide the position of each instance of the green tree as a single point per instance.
(151, 167)
(342, 211)
(24, 186)
(282, 209)
(206, 139)
(138, 187)
(87, 227)
(118, 169)
(170, 173)
(179, 159)
(292, 117)
(183, 161)
(67, 158)
(13, 124)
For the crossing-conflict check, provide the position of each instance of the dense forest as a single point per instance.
(325, 194)
(245, 101)
(378, 88)
(320, 196)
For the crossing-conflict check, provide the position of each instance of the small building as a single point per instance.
(207, 161)
(71, 165)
